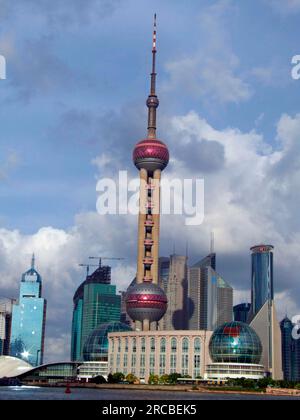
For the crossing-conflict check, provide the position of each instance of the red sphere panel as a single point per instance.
(151, 149)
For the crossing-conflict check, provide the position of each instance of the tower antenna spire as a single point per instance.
(33, 261)
(152, 101)
(212, 242)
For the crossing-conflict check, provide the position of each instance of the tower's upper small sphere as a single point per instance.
(146, 301)
(151, 154)
(235, 342)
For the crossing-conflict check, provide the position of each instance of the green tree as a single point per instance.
(98, 380)
(118, 377)
(131, 379)
(153, 379)
(173, 378)
(164, 379)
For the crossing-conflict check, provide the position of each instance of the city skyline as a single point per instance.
(250, 160)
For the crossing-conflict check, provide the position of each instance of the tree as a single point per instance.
(164, 379)
(98, 380)
(153, 379)
(118, 377)
(173, 378)
(131, 379)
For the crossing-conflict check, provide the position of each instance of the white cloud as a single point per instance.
(212, 71)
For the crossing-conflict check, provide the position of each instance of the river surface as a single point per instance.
(36, 393)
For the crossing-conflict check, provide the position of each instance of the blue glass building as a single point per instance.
(95, 302)
(241, 312)
(262, 289)
(290, 351)
(28, 319)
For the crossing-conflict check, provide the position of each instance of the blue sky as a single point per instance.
(77, 80)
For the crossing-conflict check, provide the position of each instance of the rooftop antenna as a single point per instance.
(87, 267)
(33, 261)
(212, 242)
(153, 102)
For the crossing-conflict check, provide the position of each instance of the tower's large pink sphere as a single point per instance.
(146, 301)
(151, 154)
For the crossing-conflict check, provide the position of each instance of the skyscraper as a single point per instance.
(28, 319)
(174, 283)
(262, 288)
(5, 324)
(290, 351)
(210, 296)
(262, 315)
(146, 302)
(95, 302)
(241, 312)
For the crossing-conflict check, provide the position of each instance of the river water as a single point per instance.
(36, 393)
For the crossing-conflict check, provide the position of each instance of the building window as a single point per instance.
(152, 364)
(173, 363)
(125, 360)
(118, 362)
(152, 345)
(185, 345)
(126, 345)
(119, 345)
(162, 364)
(174, 345)
(133, 361)
(197, 365)
(112, 345)
(185, 365)
(142, 360)
(143, 345)
(163, 345)
(134, 345)
(197, 346)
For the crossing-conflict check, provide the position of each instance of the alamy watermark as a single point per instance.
(2, 67)
(296, 67)
(178, 197)
(296, 329)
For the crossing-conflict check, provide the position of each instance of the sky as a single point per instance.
(73, 107)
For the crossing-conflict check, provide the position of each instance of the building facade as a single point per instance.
(175, 284)
(290, 351)
(6, 306)
(263, 317)
(28, 319)
(159, 353)
(95, 302)
(210, 297)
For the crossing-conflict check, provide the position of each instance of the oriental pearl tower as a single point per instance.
(146, 302)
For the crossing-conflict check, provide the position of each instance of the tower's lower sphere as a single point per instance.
(235, 342)
(151, 154)
(146, 301)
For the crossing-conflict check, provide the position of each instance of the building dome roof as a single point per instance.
(11, 367)
(235, 342)
(96, 345)
(151, 154)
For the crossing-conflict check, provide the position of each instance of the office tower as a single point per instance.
(95, 302)
(28, 319)
(241, 312)
(146, 302)
(262, 315)
(5, 324)
(125, 318)
(173, 280)
(210, 296)
(290, 352)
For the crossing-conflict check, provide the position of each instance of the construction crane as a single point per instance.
(87, 267)
(105, 258)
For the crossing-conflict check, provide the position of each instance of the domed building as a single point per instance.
(96, 346)
(236, 351)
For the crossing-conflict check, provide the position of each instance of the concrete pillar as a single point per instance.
(141, 225)
(156, 219)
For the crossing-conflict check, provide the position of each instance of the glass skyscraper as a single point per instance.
(290, 351)
(241, 312)
(262, 277)
(28, 319)
(95, 302)
(5, 325)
